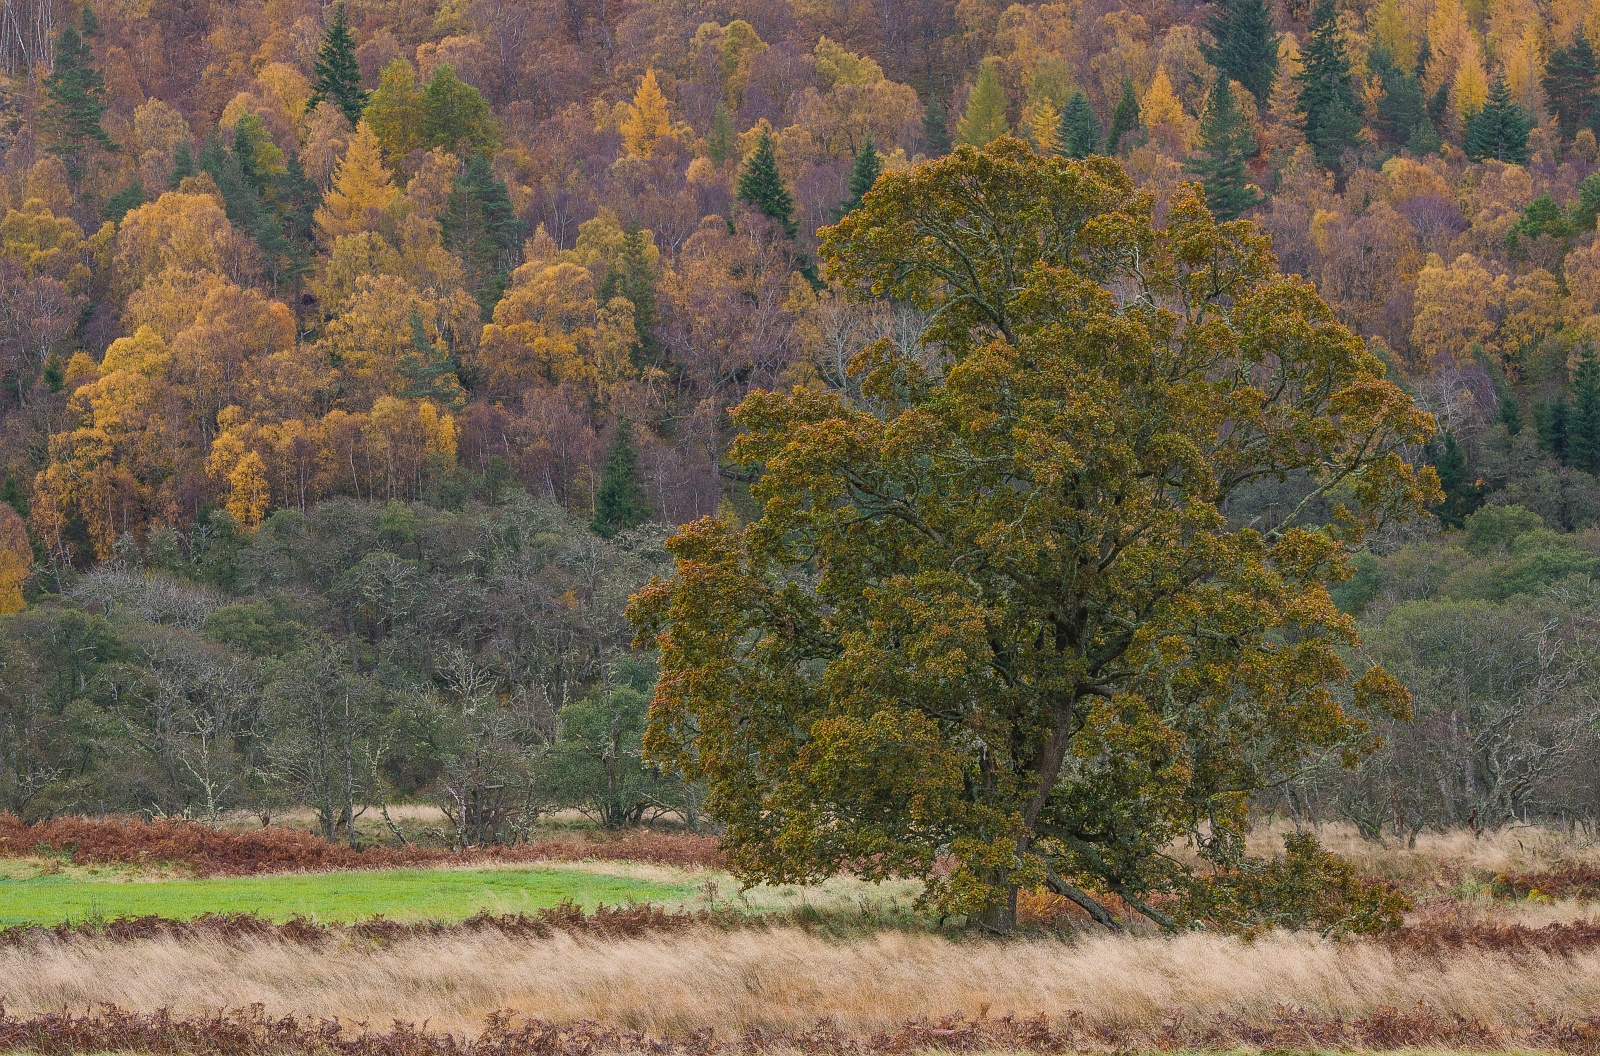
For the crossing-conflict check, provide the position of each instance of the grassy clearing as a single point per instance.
(34, 894)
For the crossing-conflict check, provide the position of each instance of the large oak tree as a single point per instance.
(995, 611)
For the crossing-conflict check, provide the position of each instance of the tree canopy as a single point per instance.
(995, 608)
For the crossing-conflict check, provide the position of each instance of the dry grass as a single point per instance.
(788, 979)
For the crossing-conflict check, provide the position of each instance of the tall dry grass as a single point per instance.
(788, 979)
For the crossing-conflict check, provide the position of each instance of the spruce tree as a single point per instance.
(427, 369)
(985, 118)
(1246, 47)
(1510, 413)
(1583, 417)
(1080, 132)
(1226, 142)
(1587, 210)
(182, 164)
(636, 280)
(89, 21)
(1463, 493)
(74, 103)
(935, 127)
(1551, 421)
(1124, 119)
(481, 228)
(1500, 130)
(720, 140)
(1329, 113)
(863, 174)
(620, 504)
(762, 188)
(1570, 82)
(336, 76)
(1402, 117)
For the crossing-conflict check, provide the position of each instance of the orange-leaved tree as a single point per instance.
(995, 612)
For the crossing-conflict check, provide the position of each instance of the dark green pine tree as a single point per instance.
(1587, 210)
(1543, 216)
(720, 140)
(482, 229)
(1327, 105)
(1402, 117)
(1551, 421)
(1510, 413)
(74, 102)
(636, 280)
(620, 505)
(1079, 133)
(935, 127)
(1463, 491)
(1226, 142)
(762, 188)
(1124, 119)
(863, 174)
(182, 164)
(1583, 417)
(1500, 130)
(1570, 82)
(1246, 47)
(89, 21)
(119, 204)
(427, 369)
(336, 76)
(245, 190)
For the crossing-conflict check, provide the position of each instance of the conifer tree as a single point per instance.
(762, 188)
(863, 174)
(75, 100)
(1329, 113)
(1226, 141)
(182, 164)
(1463, 492)
(1246, 47)
(482, 229)
(1510, 413)
(620, 504)
(985, 117)
(89, 21)
(1551, 421)
(1500, 130)
(720, 141)
(1402, 117)
(1587, 210)
(1080, 132)
(1124, 119)
(1044, 127)
(336, 76)
(935, 127)
(1583, 417)
(427, 369)
(1570, 82)
(637, 282)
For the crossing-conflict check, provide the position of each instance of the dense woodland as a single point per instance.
(358, 359)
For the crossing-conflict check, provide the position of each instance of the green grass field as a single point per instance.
(399, 894)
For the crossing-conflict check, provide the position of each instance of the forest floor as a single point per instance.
(1501, 954)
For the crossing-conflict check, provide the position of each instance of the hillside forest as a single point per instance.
(358, 359)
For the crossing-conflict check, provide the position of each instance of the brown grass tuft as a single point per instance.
(214, 852)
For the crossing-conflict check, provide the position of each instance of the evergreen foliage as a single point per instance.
(1246, 48)
(762, 188)
(1124, 119)
(1226, 141)
(985, 118)
(481, 227)
(935, 127)
(427, 369)
(336, 75)
(1329, 112)
(1402, 111)
(75, 101)
(1583, 417)
(1499, 131)
(720, 140)
(182, 164)
(620, 504)
(636, 280)
(1080, 132)
(1551, 420)
(863, 174)
(1571, 77)
(1463, 492)
(118, 205)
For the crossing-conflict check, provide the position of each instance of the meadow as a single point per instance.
(1486, 960)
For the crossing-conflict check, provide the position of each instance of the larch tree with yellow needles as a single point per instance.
(994, 612)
